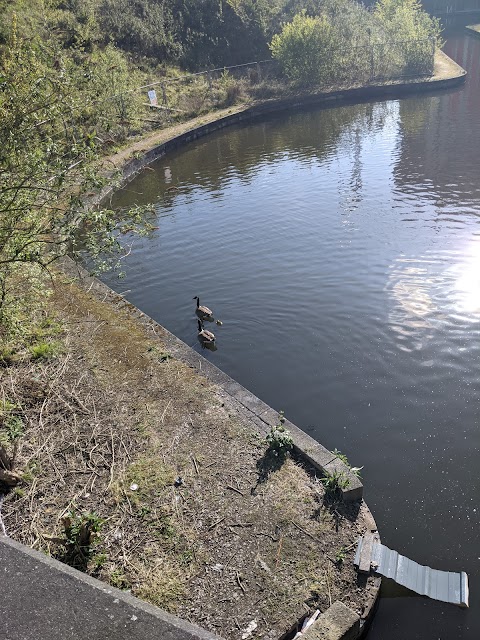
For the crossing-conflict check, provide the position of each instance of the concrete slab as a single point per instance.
(339, 622)
(42, 599)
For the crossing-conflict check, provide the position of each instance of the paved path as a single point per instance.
(42, 599)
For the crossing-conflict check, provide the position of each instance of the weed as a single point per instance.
(163, 356)
(45, 350)
(14, 427)
(119, 580)
(279, 439)
(7, 355)
(161, 583)
(33, 469)
(341, 556)
(231, 87)
(151, 476)
(99, 560)
(335, 482)
(81, 530)
(341, 456)
(7, 408)
(186, 557)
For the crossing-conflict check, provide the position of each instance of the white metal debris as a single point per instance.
(446, 586)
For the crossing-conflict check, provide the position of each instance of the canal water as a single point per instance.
(341, 250)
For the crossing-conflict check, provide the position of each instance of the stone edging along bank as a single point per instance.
(338, 622)
(473, 30)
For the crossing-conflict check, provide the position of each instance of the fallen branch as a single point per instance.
(235, 489)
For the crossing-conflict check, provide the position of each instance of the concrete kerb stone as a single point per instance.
(339, 622)
(473, 30)
(46, 599)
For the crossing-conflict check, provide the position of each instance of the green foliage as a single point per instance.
(304, 48)
(406, 22)
(54, 110)
(279, 439)
(341, 555)
(231, 87)
(146, 28)
(339, 40)
(12, 425)
(335, 482)
(81, 531)
(45, 350)
(74, 23)
(341, 456)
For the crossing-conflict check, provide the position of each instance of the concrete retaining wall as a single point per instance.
(472, 31)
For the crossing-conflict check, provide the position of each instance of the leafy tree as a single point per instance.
(144, 27)
(406, 22)
(304, 48)
(47, 162)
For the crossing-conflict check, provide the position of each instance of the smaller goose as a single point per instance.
(203, 312)
(205, 337)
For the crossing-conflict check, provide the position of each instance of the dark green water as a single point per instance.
(341, 250)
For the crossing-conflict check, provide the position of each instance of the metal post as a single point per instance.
(164, 94)
(434, 46)
(259, 73)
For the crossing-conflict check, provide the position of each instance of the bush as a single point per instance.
(304, 49)
(405, 22)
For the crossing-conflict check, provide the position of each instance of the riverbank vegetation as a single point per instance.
(131, 466)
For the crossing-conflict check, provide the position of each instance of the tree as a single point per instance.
(304, 48)
(47, 162)
(406, 23)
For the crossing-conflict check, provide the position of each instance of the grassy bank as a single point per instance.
(136, 469)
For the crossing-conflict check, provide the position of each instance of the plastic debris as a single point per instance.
(307, 623)
(250, 628)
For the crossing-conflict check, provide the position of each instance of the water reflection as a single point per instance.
(436, 157)
(466, 283)
(429, 291)
(410, 286)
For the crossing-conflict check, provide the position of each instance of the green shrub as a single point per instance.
(304, 48)
(279, 439)
(45, 350)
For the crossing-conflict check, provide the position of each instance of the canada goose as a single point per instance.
(203, 312)
(205, 337)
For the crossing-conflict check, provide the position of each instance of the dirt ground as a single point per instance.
(134, 468)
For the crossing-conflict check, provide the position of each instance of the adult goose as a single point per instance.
(204, 313)
(205, 337)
